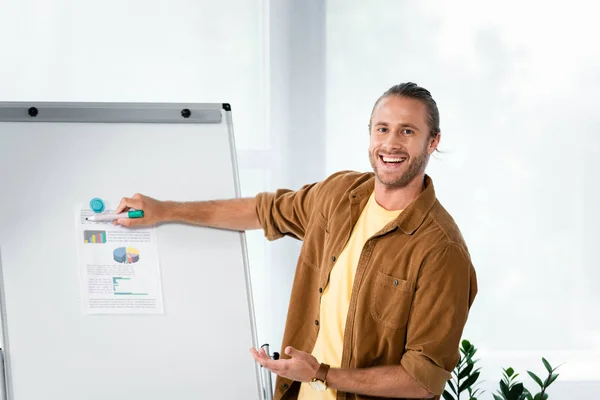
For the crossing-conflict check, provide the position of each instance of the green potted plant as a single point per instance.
(464, 380)
(464, 376)
(510, 389)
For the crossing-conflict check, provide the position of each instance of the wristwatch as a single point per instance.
(319, 382)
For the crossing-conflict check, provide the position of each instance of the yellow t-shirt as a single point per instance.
(335, 299)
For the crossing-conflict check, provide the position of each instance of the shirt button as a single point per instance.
(285, 386)
(333, 258)
(395, 282)
(317, 322)
(320, 290)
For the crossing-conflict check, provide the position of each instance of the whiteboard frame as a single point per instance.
(115, 112)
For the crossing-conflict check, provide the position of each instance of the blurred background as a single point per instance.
(516, 82)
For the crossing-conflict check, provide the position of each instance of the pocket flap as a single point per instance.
(321, 221)
(397, 283)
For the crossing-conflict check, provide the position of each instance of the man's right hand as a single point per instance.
(155, 211)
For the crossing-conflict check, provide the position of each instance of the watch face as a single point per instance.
(318, 385)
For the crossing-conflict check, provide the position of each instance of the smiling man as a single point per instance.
(384, 281)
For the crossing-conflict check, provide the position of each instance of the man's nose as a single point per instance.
(395, 140)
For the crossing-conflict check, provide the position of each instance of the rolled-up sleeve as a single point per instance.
(286, 212)
(444, 293)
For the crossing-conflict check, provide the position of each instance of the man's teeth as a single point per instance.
(390, 159)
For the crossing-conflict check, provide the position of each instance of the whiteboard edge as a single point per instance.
(250, 297)
(6, 374)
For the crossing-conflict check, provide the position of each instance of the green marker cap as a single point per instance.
(135, 213)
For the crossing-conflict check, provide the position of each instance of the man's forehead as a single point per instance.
(400, 108)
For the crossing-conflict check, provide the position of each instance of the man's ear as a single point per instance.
(434, 142)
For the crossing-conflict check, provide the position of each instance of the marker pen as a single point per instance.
(112, 217)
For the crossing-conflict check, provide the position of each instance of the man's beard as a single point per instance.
(415, 166)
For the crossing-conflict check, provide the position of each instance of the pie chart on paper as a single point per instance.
(126, 255)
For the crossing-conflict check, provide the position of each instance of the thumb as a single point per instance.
(292, 352)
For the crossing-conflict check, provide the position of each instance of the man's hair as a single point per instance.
(413, 91)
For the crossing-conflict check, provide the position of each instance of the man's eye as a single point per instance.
(408, 131)
(382, 130)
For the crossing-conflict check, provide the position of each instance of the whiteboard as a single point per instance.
(54, 156)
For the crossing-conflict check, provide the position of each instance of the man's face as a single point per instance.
(400, 144)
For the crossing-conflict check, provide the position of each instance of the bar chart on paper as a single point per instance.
(126, 286)
(94, 236)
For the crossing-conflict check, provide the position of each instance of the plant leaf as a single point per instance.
(468, 382)
(516, 391)
(558, 366)
(447, 396)
(451, 384)
(551, 379)
(465, 372)
(547, 365)
(536, 379)
(496, 397)
(472, 351)
(509, 371)
(504, 389)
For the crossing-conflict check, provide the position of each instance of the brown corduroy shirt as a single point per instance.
(413, 288)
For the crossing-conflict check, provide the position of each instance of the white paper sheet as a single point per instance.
(119, 268)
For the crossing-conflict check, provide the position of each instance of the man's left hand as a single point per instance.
(301, 367)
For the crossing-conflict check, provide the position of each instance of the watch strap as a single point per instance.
(322, 372)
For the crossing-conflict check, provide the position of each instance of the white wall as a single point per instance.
(516, 83)
(295, 38)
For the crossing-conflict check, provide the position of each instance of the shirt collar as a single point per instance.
(413, 215)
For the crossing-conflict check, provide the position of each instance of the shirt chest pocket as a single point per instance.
(391, 300)
(315, 242)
